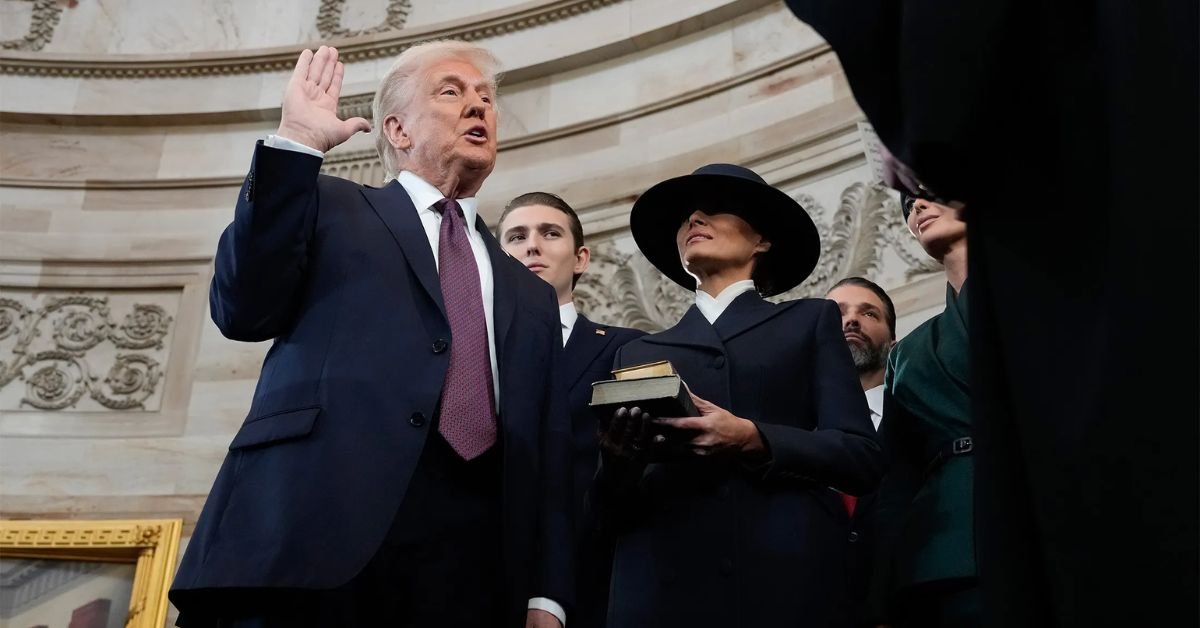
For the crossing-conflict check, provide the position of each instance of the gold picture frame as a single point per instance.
(151, 545)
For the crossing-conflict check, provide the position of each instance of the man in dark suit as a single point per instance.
(869, 327)
(1070, 130)
(736, 527)
(544, 233)
(406, 457)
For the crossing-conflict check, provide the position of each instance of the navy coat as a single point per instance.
(723, 543)
(343, 279)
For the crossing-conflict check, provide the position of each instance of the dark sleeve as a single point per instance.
(841, 452)
(557, 551)
(262, 255)
(613, 500)
(896, 492)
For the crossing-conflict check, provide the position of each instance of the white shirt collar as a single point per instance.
(424, 196)
(568, 315)
(875, 402)
(712, 308)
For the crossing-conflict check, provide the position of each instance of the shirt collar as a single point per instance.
(424, 196)
(712, 307)
(567, 314)
(875, 402)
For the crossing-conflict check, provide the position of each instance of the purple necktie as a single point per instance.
(468, 418)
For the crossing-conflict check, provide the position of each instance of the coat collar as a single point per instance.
(745, 313)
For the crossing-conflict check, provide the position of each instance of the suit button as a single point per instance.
(439, 345)
(726, 567)
(853, 537)
(417, 419)
(719, 362)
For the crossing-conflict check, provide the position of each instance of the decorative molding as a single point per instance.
(329, 19)
(351, 49)
(46, 14)
(92, 348)
(58, 377)
(624, 289)
(17, 534)
(356, 106)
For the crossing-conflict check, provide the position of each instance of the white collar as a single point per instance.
(712, 308)
(567, 314)
(875, 402)
(424, 196)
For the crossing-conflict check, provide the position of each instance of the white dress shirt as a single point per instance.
(568, 315)
(875, 402)
(712, 307)
(424, 196)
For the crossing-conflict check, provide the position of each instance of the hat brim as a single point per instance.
(795, 244)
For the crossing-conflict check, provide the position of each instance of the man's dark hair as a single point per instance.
(549, 200)
(888, 306)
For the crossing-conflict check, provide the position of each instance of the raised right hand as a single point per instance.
(310, 102)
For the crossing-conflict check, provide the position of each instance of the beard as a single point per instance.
(868, 357)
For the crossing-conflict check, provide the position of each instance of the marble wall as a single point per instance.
(126, 127)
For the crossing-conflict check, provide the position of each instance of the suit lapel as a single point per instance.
(504, 298)
(582, 348)
(396, 210)
(693, 330)
(745, 313)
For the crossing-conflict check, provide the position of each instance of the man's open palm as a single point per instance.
(310, 102)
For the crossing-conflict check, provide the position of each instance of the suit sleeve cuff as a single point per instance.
(283, 143)
(550, 606)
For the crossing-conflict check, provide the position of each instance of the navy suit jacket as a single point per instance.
(589, 358)
(342, 278)
(723, 542)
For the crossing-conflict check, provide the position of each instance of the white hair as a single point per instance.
(398, 86)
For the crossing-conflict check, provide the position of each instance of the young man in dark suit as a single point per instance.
(544, 233)
(406, 458)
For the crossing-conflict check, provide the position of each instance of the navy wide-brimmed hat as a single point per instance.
(728, 189)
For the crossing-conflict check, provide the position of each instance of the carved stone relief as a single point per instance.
(624, 289)
(45, 17)
(74, 351)
(329, 19)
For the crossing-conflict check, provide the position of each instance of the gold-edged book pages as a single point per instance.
(661, 368)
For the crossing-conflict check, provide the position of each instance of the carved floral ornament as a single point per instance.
(57, 378)
(625, 289)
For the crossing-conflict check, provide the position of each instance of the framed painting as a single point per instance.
(87, 574)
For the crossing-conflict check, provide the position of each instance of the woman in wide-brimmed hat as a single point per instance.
(739, 527)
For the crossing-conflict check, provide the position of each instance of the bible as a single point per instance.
(655, 388)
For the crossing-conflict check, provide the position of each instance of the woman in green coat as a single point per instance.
(926, 575)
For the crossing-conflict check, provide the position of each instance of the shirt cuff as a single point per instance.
(283, 143)
(550, 606)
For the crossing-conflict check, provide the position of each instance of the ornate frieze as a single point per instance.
(45, 17)
(74, 351)
(351, 50)
(329, 19)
